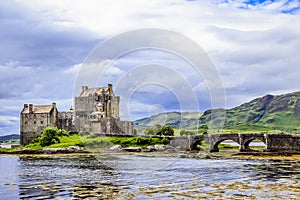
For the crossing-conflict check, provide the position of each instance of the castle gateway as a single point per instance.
(96, 111)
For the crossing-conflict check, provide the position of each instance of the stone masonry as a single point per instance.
(96, 110)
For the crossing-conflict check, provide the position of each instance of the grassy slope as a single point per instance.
(280, 112)
(175, 119)
(11, 137)
(93, 142)
(65, 141)
(268, 113)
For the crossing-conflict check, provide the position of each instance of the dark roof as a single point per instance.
(38, 109)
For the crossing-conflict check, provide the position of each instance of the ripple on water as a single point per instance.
(137, 177)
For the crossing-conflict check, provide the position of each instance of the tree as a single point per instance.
(49, 136)
(160, 130)
(153, 130)
(167, 131)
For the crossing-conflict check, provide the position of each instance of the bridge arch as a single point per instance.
(246, 139)
(216, 145)
(195, 143)
(216, 139)
(249, 140)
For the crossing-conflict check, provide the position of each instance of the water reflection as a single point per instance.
(146, 176)
(65, 176)
(277, 170)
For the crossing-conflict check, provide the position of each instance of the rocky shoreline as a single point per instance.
(76, 149)
(71, 149)
(171, 151)
(158, 147)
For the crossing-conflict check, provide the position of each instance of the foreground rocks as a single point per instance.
(71, 149)
(158, 147)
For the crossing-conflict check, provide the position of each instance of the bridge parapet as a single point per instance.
(274, 142)
(283, 142)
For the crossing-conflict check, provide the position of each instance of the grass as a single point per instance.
(65, 141)
(92, 142)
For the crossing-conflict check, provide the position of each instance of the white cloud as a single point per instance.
(74, 69)
(8, 120)
(254, 46)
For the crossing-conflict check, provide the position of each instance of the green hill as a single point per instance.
(281, 112)
(185, 120)
(12, 137)
(270, 112)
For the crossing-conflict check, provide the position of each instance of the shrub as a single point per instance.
(165, 141)
(61, 132)
(49, 136)
(137, 141)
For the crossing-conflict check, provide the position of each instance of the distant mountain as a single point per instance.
(280, 112)
(186, 120)
(14, 137)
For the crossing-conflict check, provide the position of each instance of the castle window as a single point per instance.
(25, 122)
(96, 96)
(34, 122)
(42, 122)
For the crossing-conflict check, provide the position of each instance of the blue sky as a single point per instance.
(254, 45)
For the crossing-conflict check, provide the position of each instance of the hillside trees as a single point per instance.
(160, 130)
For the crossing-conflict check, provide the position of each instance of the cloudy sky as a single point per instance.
(253, 45)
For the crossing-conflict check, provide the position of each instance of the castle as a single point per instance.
(95, 110)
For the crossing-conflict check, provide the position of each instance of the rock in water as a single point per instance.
(115, 148)
(159, 147)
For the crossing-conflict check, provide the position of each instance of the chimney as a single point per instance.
(84, 88)
(30, 108)
(55, 115)
(110, 90)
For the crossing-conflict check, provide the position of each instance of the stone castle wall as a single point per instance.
(65, 121)
(104, 125)
(32, 126)
(96, 110)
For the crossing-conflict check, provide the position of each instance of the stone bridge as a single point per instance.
(273, 142)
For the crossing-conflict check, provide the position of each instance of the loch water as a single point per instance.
(146, 176)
